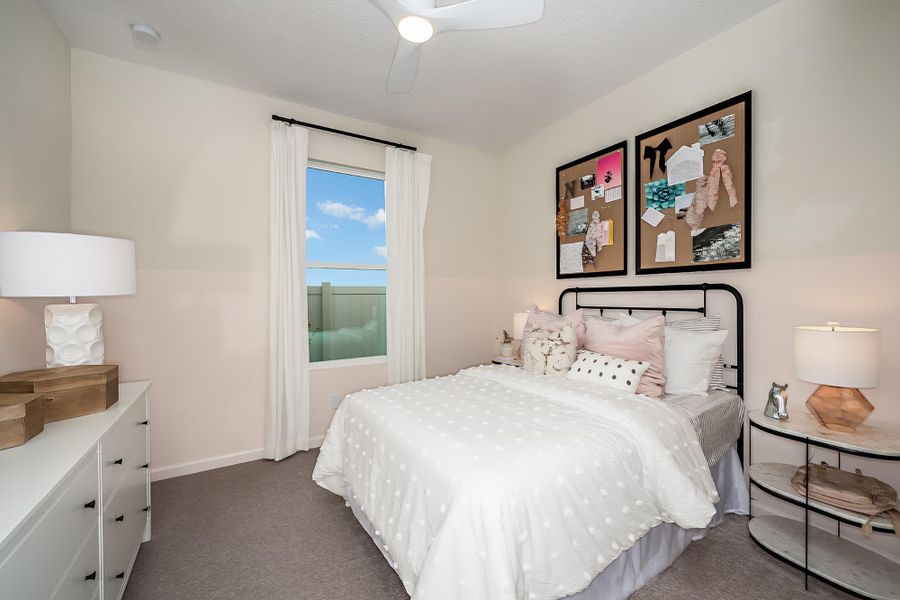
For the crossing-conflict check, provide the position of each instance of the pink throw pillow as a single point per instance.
(644, 341)
(551, 322)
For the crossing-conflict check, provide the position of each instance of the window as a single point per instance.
(346, 263)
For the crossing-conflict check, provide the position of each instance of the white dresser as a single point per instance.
(75, 504)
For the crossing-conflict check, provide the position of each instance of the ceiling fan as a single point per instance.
(419, 20)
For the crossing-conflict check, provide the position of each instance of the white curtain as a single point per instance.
(287, 405)
(407, 176)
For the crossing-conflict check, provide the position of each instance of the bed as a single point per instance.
(496, 483)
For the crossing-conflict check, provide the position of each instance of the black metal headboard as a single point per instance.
(702, 289)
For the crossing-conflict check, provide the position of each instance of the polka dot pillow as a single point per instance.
(610, 371)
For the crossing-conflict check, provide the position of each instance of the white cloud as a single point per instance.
(380, 251)
(312, 235)
(340, 210)
(376, 219)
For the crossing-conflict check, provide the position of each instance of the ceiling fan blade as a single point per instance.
(403, 71)
(485, 14)
(394, 9)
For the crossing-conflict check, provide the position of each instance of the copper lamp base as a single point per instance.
(839, 408)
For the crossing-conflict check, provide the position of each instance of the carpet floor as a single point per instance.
(264, 530)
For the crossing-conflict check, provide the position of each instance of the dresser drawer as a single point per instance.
(123, 446)
(123, 530)
(39, 561)
(82, 581)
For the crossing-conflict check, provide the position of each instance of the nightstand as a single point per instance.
(823, 555)
(504, 360)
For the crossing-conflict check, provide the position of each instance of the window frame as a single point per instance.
(356, 172)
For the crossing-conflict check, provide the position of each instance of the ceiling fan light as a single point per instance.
(415, 29)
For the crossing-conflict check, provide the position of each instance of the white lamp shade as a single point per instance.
(837, 356)
(47, 265)
(519, 320)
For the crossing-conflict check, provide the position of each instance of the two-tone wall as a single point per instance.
(826, 212)
(181, 166)
(35, 155)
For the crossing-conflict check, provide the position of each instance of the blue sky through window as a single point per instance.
(344, 224)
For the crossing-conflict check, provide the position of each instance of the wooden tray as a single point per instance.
(70, 391)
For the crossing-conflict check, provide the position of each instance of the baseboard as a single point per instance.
(225, 460)
(204, 464)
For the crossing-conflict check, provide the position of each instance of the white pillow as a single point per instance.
(550, 352)
(708, 323)
(690, 358)
(610, 371)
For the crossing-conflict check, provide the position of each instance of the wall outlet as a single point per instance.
(335, 400)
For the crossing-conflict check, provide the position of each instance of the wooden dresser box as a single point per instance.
(70, 391)
(21, 418)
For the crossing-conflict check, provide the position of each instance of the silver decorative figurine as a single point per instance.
(776, 407)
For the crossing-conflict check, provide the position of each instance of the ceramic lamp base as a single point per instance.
(74, 334)
(839, 408)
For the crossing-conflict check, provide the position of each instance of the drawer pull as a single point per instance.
(91, 577)
(121, 575)
(145, 422)
(146, 508)
(118, 461)
(120, 518)
(145, 466)
(91, 504)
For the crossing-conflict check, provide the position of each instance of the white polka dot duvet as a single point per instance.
(499, 484)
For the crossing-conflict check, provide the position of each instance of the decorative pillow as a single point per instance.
(709, 323)
(551, 322)
(610, 371)
(644, 341)
(690, 358)
(549, 352)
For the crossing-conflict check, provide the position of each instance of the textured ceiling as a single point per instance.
(486, 89)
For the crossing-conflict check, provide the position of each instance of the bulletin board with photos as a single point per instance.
(592, 215)
(692, 187)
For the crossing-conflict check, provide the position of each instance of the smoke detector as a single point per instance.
(144, 33)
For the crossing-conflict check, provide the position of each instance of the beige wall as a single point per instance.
(825, 214)
(182, 166)
(35, 159)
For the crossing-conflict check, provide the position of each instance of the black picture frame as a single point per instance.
(621, 232)
(746, 99)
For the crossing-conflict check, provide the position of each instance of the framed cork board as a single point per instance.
(592, 215)
(692, 182)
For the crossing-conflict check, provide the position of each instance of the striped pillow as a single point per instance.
(709, 323)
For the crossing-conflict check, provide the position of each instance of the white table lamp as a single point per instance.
(518, 330)
(840, 360)
(42, 264)
(519, 320)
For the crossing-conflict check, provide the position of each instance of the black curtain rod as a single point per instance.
(342, 132)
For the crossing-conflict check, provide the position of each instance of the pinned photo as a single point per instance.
(722, 242)
(682, 203)
(587, 181)
(659, 195)
(578, 222)
(716, 130)
(596, 192)
(609, 170)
